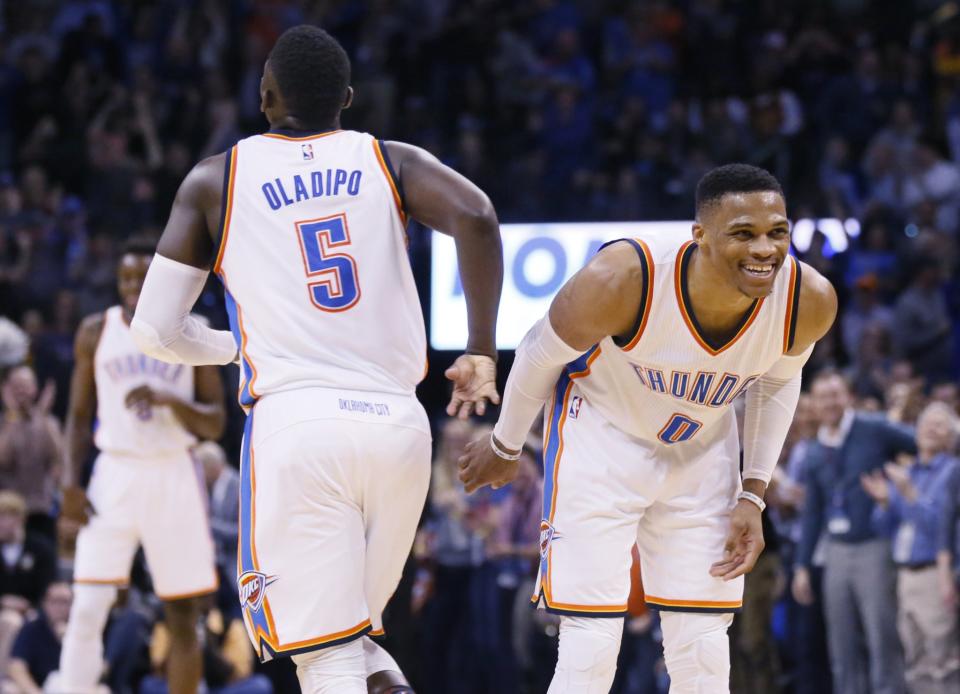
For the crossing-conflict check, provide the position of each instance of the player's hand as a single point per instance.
(744, 542)
(801, 587)
(74, 514)
(480, 466)
(474, 379)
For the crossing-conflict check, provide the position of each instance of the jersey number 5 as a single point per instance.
(334, 285)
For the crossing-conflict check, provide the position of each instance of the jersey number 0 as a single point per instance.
(333, 283)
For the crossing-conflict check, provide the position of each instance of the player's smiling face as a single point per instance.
(747, 237)
(130, 275)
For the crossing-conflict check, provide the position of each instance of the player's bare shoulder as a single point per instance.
(603, 298)
(817, 308)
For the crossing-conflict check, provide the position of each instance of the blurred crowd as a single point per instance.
(561, 110)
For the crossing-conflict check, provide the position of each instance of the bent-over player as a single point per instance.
(305, 225)
(638, 360)
(145, 488)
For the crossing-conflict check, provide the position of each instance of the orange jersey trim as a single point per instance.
(391, 182)
(688, 316)
(102, 581)
(377, 632)
(648, 295)
(227, 203)
(289, 138)
(717, 604)
(584, 608)
(788, 319)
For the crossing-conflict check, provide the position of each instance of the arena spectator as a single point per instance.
(922, 329)
(36, 650)
(858, 579)
(910, 504)
(223, 488)
(31, 447)
(28, 566)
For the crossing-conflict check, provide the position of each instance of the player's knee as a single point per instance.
(696, 650)
(587, 660)
(334, 670)
(181, 617)
(90, 608)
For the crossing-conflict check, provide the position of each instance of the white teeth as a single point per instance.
(759, 268)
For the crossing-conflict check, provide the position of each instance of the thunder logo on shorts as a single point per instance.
(252, 587)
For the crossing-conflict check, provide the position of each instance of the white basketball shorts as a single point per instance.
(605, 490)
(332, 486)
(160, 503)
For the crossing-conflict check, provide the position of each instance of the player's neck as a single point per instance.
(712, 299)
(294, 124)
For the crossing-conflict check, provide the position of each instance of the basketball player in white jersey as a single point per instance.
(305, 226)
(638, 362)
(145, 488)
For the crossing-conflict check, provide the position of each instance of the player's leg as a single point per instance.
(185, 662)
(175, 532)
(592, 505)
(587, 657)
(302, 547)
(696, 650)
(104, 554)
(679, 538)
(335, 670)
(396, 479)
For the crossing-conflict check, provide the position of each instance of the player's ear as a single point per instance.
(348, 99)
(698, 232)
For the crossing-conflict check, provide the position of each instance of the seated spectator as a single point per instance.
(30, 447)
(27, 568)
(36, 650)
(910, 503)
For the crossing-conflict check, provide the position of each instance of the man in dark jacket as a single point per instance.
(859, 578)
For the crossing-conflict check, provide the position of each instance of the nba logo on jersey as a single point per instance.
(575, 403)
(252, 587)
(307, 150)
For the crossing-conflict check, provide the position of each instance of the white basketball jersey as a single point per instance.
(313, 257)
(119, 367)
(669, 383)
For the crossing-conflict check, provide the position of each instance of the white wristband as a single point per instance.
(753, 499)
(502, 453)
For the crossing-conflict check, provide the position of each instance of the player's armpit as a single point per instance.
(817, 309)
(600, 300)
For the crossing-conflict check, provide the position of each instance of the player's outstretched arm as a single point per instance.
(440, 198)
(601, 300)
(770, 405)
(162, 326)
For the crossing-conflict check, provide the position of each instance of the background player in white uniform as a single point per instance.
(305, 225)
(638, 360)
(145, 487)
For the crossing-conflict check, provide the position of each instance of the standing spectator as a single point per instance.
(36, 650)
(27, 566)
(30, 447)
(922, 330)
(910, 504)
(858, 573)
(223, 487)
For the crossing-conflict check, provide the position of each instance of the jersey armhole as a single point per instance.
(396, 187)
(226, 205)
(646, 295)
(793, 303)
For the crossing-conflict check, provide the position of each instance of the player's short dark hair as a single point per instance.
(734, 178)
(312, 72)
(138, 245)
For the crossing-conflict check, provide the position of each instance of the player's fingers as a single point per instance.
(494, 397)
(465, 409)
(452, 373)
(481, 407)
(454, 405)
